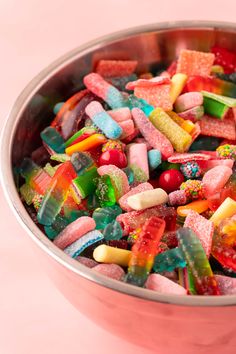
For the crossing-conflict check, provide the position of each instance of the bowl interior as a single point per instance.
(153, 46)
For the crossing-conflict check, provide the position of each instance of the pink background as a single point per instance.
(34, 316)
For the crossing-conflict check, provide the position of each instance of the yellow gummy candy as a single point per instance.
(107, 254)
(178, 137)
(186, 125)
(225, 210)
(178, 82)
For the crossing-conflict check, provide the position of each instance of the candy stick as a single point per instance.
(169, 260)
(164, 285)
(178, 137)
(193, 114)
(177, 198)
(76, 248)
(137, 155)
(96, 84)
(144, 251)
(182, 158)
(147, 199)
(202, 227)
(113, 271)
(154, 137)
(56, 194)
(135, 102)
(103, 121)
(74, 231)
(225, 210)
(88, 262)
(198, 206)
(187, 125)
(82, 134)
(140, 188)
(178, 82)
(107, 254)
(154, 159)
(197, 262)
(87, 144)
(188, 100)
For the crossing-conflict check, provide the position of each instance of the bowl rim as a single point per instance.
(20, 212)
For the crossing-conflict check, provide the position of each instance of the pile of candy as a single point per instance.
(136, 175)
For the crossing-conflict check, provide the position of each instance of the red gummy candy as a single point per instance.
(225, 58)
(113, 157)
(170, 180)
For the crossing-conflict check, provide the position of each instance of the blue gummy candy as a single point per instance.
(107, 125)
(154, 159)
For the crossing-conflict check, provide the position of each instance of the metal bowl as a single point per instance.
(163, 323)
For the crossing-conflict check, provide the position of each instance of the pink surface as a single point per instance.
(34, 317)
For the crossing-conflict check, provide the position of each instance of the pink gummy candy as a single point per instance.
(120, 114)
(182, 158)
(215, 179)
(118, 177)
(164, 285)
(74, 231)
(96, 84)
(227, 285)
(113, 271)
(137, 155)
(88, 262)
(153, 136)
(188, 100)
(202, 227)
(140, 188)
(127, 128)
(177, 198)
(224, 128)
(155, 81)
(207, 165)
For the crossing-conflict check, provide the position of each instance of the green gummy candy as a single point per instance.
(215, 108)
(104, 216)
(113, 231)
(105, 191)
(86, 183)
(27, 193)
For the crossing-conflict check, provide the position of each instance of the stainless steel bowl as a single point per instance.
(165, 324)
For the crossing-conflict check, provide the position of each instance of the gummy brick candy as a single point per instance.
(169, 260)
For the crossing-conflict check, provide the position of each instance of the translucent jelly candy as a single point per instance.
(225, 58)
(53, 139)
(35, 176)
(144, 251)
(105, 191)
(85, 184)
(56, 194)
(169, 260)
(224, 253)
(81, 161)
(104, 216)
(197, 262)
(113, 231)
(72, 112)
